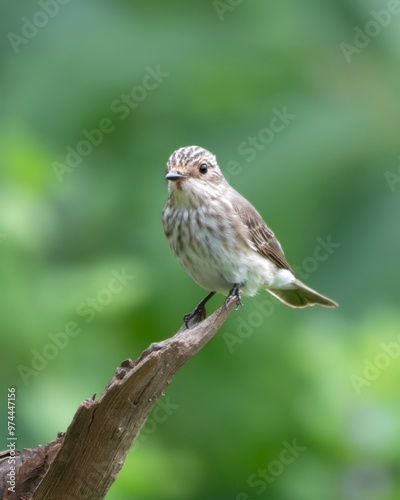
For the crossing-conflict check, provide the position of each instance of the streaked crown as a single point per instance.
(190, 156)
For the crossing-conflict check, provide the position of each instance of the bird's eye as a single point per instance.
(203, 168)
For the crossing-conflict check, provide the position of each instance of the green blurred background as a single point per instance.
(212, 74)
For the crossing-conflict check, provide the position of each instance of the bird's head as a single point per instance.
(193, 171)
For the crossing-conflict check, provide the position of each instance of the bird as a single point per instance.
(221, 240)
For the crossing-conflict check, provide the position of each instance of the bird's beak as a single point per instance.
(175, 175)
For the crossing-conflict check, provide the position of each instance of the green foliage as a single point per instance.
(154, 76)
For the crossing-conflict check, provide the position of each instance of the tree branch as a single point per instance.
(85, 462)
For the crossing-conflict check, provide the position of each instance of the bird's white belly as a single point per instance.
(216, 266)
(209, 248)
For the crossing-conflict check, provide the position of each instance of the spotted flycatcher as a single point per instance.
(220, 238)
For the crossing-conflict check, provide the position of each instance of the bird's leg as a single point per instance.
(199, 312)
(235, 292)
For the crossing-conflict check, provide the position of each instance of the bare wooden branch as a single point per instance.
(86, 461)
(31, 465)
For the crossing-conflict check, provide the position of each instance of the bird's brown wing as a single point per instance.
(260, 234)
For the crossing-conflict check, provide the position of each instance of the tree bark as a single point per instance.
(83, 463)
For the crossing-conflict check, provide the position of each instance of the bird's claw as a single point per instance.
(236, 291)
(196, 316)
(199, 312)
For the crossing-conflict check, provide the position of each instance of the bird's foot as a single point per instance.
(198, 314)
(235, 292)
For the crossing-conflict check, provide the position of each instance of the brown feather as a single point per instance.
(259, 233)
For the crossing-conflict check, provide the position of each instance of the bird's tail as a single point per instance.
(302, 296)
